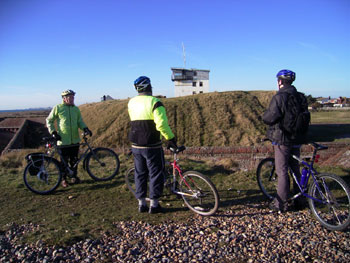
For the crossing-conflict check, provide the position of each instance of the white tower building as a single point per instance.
(190, 81)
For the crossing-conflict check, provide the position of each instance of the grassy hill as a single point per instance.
(212, 119)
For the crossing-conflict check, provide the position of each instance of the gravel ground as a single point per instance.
(244, 233)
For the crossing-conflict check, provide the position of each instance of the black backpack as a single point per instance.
(296, 118)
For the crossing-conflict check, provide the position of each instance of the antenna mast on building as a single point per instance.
(184, 54)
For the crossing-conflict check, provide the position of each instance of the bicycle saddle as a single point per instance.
(178, 149)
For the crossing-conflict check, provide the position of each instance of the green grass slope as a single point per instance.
(212, 119)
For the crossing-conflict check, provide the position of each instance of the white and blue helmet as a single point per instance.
(143, 84)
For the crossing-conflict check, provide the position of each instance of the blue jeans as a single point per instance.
(149, 165)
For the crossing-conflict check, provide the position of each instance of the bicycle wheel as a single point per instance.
(199, 193)
(102, 164)
(42, 176)
(333, 211)
(130, 180)
(267, 178)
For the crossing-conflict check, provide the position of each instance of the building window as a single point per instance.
(193, 92)
(201, 84)
(194, 84)
(201, 92)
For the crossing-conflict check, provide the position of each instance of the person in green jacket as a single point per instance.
(148, 124)
(63, 123)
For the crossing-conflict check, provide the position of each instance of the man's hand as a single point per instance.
(87, 132)
(56, 136)
(172, 143)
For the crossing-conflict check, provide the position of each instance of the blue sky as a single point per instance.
(100, 47)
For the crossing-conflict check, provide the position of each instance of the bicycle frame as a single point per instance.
(177, 168)
(311, 173)
(65, 164)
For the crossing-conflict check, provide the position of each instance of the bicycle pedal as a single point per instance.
(199, 208)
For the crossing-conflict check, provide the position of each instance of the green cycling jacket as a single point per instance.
(148, 121)
(69, 120)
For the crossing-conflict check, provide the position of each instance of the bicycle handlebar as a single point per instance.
(52, 139)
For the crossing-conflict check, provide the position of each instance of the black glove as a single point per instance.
(87, 132)
(172, 143)
(56, 136)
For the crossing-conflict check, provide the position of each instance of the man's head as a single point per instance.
(68, 97)
(143, 85)
(285, 77)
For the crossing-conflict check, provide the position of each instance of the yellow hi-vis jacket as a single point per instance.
(148, 121)
(69, 121)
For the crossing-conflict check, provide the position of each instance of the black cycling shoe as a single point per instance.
(75, 180)
(143, 208)
(274, 208)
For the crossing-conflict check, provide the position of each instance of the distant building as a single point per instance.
(190, 81)
(106, 97)
(336, 102)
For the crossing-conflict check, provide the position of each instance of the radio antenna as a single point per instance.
(184, 54)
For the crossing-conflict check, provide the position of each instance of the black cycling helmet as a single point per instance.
(67, 92)
(143, 84)
(286, 75)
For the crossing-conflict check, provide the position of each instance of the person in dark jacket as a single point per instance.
(148, 124)
(285, 144)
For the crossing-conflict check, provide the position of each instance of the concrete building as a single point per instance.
(190, 81)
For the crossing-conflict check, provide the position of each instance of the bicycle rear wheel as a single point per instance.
(334, 210)
(199, 193)
(267, 178)
(102, 164)
(130, 180)
(42, 176)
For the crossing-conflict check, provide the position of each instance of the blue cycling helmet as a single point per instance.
(143, 84)
(286, 74)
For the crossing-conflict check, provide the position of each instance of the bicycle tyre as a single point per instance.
(267, 178)
(47, 177)
(103, 164)
(200, 194)
(335, 215)
(130, 180)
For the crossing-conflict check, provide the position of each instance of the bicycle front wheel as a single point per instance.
(331, 206)
(267, 178)
(130, 180)
(199, 193)
(102, 164)
(42, 176)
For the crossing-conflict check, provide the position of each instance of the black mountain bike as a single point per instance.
(43, 173)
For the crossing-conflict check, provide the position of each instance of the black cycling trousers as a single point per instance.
(149, 165)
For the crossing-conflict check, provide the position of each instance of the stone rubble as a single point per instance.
(243, 233)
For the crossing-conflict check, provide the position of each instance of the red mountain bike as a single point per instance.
(198, 192)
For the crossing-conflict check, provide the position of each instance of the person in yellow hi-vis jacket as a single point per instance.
(69, 121)
(148, 124)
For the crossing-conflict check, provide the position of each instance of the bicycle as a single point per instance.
(197, 191)
(43, 173)
(328, 195)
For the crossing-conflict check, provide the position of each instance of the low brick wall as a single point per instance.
(248, 157)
